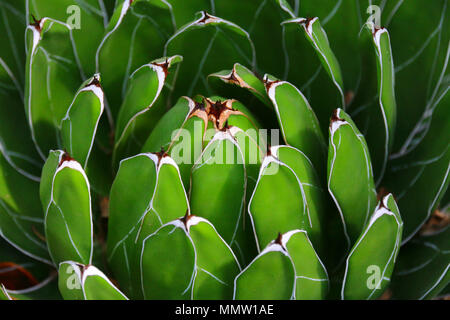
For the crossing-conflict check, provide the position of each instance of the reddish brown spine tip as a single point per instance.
(375, 30)
(335, 116)
(164, 66)
(161, 154)
(65, 157)
(94, 82)
(205, 18)
(268, 151)
(268, 83)
(216, 109)
(232, 78)
(305, 21)
(279, 239)
(186, 219)
(82, 267)
(36, 23)
(308, 22)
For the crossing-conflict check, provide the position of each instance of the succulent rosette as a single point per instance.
(224, 149)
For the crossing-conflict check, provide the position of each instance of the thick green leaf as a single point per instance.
(155, 197)
(48, 172)
(310, 273)
(140, 26)
(79, 126)
(206, 38)
(288, 196)
(343, 21)
(168, 263)
(254, 16)
(69, 280)
(326, 66)
(142, 106)
(96, 286)
(270, 276)
(99, 167)
(277, 203)
(128, 204)
(217, 265)
(183, 143)
(68, 215)
(243, 78)
(221, 167)
(319, 40)
(314, 195)
(375, 106)
(86, 282)
(371, 261)
(86, 21)
(298, 122)
(52, 79)
(253, 145)
(350, 176)
(187, 259)
(175, 118)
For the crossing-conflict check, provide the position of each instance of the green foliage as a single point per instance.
(140, 138)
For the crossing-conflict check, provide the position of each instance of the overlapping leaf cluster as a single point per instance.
(144, 144)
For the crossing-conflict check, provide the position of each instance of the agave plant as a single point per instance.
(272, 149)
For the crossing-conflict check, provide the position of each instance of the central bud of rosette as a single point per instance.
(217, 112)
(211, 131)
